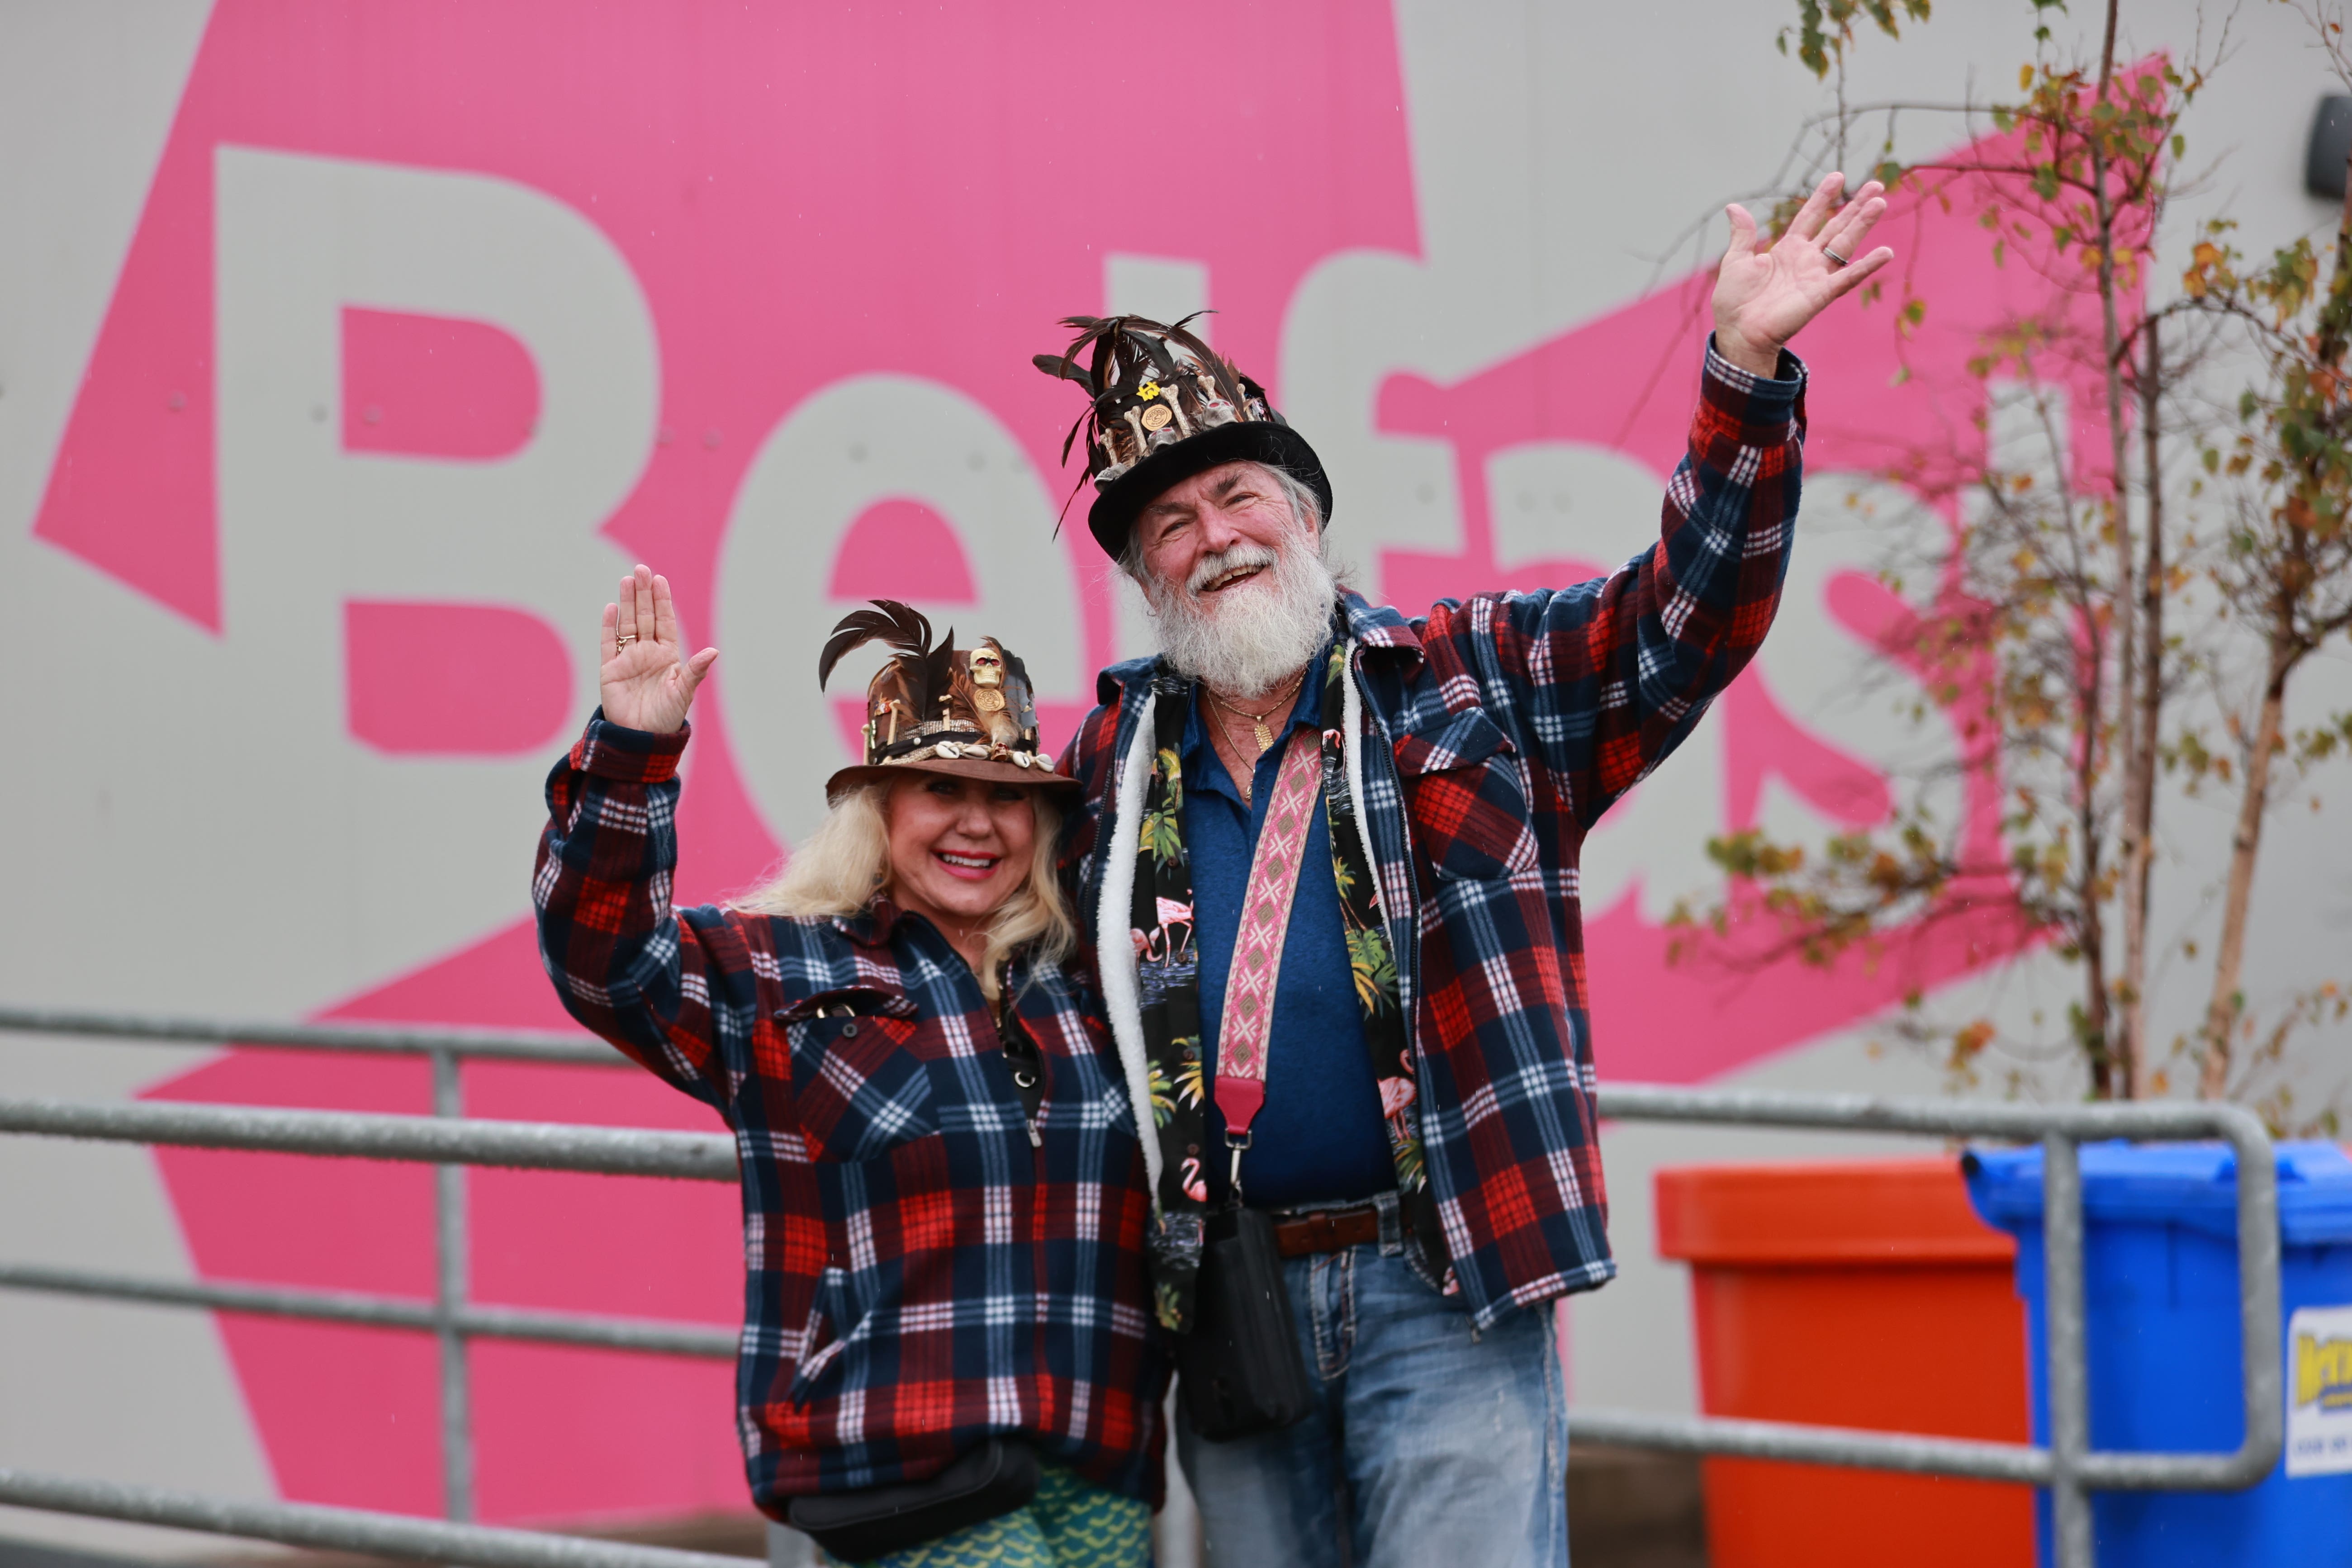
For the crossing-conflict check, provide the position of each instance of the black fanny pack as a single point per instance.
(1242, 1372)
(983, 1483)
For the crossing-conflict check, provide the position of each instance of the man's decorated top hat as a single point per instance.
(1164, 408)
(938, 710)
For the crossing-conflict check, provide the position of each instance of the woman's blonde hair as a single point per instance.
(842, 867)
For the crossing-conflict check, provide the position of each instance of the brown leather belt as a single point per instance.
(1327, 1230)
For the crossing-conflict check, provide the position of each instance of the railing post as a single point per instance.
(2069, 1383)
(2263, 1362)
(449, 1303)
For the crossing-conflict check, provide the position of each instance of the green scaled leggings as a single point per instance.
(1070, 1523)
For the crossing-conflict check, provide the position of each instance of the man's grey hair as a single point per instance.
(1303, 504)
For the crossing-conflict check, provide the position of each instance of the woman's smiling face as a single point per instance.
(958, 846)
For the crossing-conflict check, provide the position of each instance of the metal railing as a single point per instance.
(445, 1140)
(2067, 1466)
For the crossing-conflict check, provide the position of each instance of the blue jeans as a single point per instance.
(1428, 1444)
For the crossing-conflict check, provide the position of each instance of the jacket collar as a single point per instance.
(1379, 625)
(1125, 676)
(875, 927)
(886, 926)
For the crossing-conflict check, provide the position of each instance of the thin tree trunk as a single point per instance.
(2097, 1039)
(2139, 800)
(2098, 1044)
(2245, 849)
(2124, 1054)
(2289, 642)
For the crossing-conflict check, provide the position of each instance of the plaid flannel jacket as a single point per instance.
(917, 1276)
(1503, 728)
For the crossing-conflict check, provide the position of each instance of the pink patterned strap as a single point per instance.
(1266, 922)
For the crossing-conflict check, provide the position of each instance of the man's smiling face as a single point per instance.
(1216, 534)
(1230, 561)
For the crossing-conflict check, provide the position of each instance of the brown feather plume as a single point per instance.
(905, 629)
(1112, 357)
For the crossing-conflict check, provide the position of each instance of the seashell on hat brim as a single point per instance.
(1033, 774)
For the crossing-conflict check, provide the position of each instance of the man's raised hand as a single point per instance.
(647, 686)
(1763, 296)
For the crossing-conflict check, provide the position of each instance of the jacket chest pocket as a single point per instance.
(1467, 800)
(860, 1086)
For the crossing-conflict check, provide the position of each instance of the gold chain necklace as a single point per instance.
(1263, 736)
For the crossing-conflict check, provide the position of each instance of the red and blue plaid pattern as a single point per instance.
(1499, 731)
(916, 1275)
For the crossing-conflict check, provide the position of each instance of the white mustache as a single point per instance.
(1246, 644)
(1211, 567)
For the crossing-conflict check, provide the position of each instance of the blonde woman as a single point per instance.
(947, 1356)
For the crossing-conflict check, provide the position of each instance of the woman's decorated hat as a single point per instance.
(940, 709)
(1164, 408)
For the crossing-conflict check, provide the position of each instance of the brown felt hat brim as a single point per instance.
(962, 767)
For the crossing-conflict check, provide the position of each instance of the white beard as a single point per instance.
(1248, 638)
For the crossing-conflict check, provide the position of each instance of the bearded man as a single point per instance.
(1327, 859)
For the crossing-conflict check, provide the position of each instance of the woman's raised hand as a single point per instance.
(647, 684)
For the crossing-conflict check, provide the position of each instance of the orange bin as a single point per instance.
(1855, 1293)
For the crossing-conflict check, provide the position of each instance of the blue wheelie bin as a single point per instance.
(2160, 1281)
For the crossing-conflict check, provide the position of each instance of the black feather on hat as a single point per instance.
(906, 629)
(1162, 408)
(937, 709)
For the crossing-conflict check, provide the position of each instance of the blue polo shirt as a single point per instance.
(1320, 1137)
